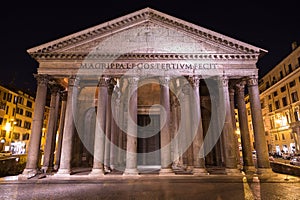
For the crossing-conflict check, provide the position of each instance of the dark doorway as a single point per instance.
(148, 144)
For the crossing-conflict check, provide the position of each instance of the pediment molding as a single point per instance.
(135, 18)
(143, 56)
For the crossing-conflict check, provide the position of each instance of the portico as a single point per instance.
(146, 89)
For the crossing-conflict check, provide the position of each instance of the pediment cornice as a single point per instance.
(143, 56)
(135, 18)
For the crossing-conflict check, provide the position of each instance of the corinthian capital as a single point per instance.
(164, 80)
(73, 81)
(103, 81)
(133, 80)
(252, 81)
(224, 81)
(42, 79)
(240, 87)
(194, 81)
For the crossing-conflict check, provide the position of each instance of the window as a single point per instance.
(296, 114)
(294, 97)
(282, 89)
(28, 114)
(1, 120)
(290, 68)
(16, 136)
(20, 100)
(284, 101)
(7, 109)
(276, 138)
(281, 75)
(29, 104)
(27, 125)
(270, 97)
(4, 96)
(25, 136)
(18, 122)
(283, 136)
(275, 93)
(274, 80)
(277, 105)
(20, 111)
(9, 97)
(292, 83)
(270, 108)
(298, 61)
(267, 84)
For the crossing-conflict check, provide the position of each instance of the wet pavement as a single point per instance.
(152, 187)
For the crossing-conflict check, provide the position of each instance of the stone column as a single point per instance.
(232, 106)
(187, 118)
(258, 127)
(110, 89)
(198, 153)
(37, 125)
(69, 128)
(50, 136)
(227, 132)
(131, 150)
(248, 165)
(114, 131)
(165, 138)
(64, 95)
(99, 144)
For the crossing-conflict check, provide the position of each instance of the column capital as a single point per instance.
(194, 81)
(73, 81)
(42, 79)
(240, 86)
(252, 81)
(103, 81)
(133, 80)
(164, 80)
(223, 81)
(64, 95)
(54, 88)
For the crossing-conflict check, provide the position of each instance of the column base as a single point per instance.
(249, 169)
(96, 172)
(166, 172)
(200, 172)
(131, 172)
(63, 172)
(27, 174)
(264, 171)
(233, 172)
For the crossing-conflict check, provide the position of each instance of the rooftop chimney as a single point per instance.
(294, 45)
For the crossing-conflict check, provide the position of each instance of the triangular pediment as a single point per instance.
(146, 31)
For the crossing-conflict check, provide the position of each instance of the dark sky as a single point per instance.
(269, 26)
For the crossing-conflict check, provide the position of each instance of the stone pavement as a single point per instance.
(151, 186)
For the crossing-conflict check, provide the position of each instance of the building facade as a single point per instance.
(146, 89)
(279, 95)
(16, 116)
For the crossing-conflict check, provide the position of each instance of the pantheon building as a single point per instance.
(146, 92)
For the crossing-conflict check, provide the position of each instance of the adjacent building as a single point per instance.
(16, 116)
(279, 96)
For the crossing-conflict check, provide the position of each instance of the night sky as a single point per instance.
(269, 26)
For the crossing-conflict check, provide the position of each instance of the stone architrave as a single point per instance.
(34, 154)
